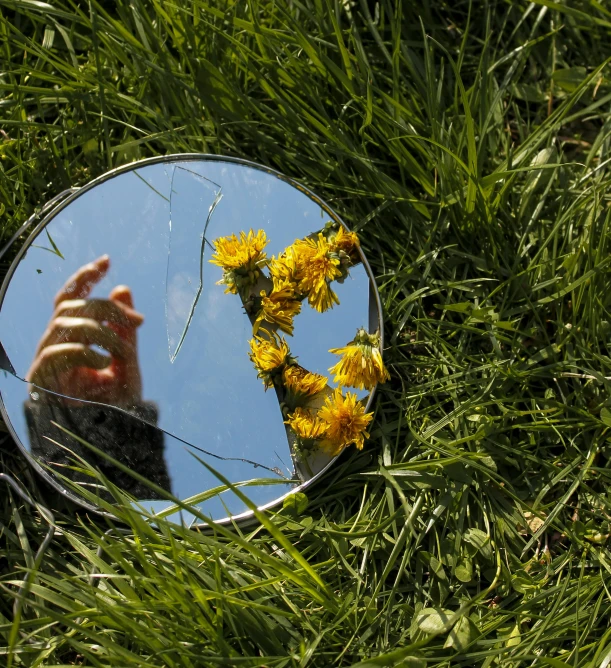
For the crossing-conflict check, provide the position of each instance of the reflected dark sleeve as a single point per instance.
(133, 442)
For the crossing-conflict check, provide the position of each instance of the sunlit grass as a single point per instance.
(469, 146)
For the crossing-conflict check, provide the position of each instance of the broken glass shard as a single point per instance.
(193, 201)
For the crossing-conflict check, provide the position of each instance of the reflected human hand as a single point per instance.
(64, 361)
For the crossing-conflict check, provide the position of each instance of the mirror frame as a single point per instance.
(51, 208)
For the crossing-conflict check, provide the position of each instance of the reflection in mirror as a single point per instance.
(189, 220)
(118, 330)
(52, 428)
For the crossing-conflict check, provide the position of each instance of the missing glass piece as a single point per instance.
(173, 230)
(5, 362)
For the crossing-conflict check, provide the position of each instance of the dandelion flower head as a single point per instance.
(240, 258)
(347, 422)
(278, 308)
(283, 269)
(307, 427)
(269, 357)
(344, 241)
(361, 365)
(301, 384)
(316, 267)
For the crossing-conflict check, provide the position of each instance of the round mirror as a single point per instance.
(186, 320)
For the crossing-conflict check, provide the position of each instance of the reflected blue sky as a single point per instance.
(210, 395)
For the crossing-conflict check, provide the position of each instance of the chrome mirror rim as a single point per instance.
(57, 204)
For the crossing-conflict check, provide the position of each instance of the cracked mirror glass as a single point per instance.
(128, 324)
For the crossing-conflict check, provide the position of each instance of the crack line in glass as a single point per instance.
(218, 197)
(140, 419)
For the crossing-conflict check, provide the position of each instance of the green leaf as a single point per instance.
(521, 583)
(296, 503)
(90, 146)
(476, 537)
(464, 570)
(433, 620)
(570, 78)
(463, 633)
(460, 307)
(554, 663)
(405, 657)
(529, 93)
(515, 637)
(411, 662)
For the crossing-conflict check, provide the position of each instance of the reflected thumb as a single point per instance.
(121, 293)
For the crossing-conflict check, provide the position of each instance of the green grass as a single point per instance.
(468, 143)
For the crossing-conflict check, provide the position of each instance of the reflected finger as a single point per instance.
(82, 330)
(63, 357)
(80, 283)
(123, 296)
(99, 309)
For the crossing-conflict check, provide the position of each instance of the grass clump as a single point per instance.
(467, 143)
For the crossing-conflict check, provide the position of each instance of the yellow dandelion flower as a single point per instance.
(233, 253)
(347, 421)
(303, 250)
(283, 270)
(307, 427)
(240, 258)
(361, 365)
(301, 384)
(269, 357)
(316, 267)
(278, 308)
(345, 241)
